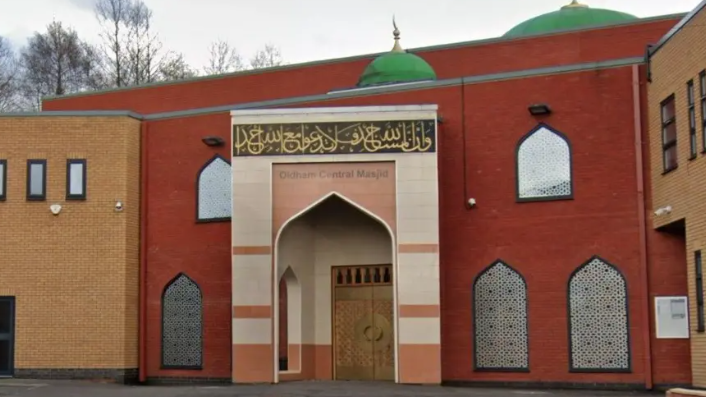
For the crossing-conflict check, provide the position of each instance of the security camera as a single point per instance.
(471, 202)
(118, 206)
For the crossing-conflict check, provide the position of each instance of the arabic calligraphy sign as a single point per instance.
(404, 136)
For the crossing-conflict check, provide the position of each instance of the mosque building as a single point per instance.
(512, 211)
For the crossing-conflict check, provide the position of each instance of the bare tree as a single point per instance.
(113, 15)
(223, 59)
(133, 52)
(144, 50)
(57, 62)
(93, 67)
(176, 68)
(267, 57)
(8, 77)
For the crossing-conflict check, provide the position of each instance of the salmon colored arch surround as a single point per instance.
(275, 283)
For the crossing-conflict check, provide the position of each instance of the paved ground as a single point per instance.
(28, 388)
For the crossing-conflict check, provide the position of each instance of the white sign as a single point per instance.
(671, 317)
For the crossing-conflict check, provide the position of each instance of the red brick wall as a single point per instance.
(544, 241)
(671, 358)
(506, 55)
(176, 243)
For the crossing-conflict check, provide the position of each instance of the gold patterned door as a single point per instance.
(363, 323)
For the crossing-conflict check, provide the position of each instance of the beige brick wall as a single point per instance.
(75, 275)
(682, 58)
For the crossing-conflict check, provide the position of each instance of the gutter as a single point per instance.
(642, 226)
(143, 256)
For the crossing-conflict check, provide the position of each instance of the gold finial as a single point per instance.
(396, 34)
(575, 4)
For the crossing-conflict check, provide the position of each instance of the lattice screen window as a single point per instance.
(182, 325)
(500, 319)
(214, 196)
(598, 319)
(544, 166)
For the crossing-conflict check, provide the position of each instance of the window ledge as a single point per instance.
(667, 171)
(213, 220)
(543, 199)
(501, 370)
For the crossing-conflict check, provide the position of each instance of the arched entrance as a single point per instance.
(342, 257)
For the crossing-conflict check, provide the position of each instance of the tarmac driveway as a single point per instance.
(39, 388)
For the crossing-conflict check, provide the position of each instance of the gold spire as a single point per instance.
(575, 4)
(396, 34)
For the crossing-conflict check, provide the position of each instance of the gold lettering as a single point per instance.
(291, 141)
(332, 138)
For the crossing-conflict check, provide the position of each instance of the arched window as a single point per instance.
(182, 324)
(214, 191)
(544, 166)
(598, 319)
(500, 319)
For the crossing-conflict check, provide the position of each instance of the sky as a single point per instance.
(308, 30)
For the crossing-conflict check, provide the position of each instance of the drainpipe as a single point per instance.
(143, 255)
(641, 216)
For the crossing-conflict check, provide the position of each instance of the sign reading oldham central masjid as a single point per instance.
(405, 136)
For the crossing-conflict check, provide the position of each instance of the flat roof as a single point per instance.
(439, 47)
(75, 113)
(353, 93)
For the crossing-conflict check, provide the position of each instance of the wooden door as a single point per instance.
(363, 323)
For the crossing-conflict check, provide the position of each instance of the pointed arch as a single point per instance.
(500, 330)
(599, 330)
(277, 258)
(343, 197)
(214, 191)
(182, 324)
(293, 317)
(544, 165)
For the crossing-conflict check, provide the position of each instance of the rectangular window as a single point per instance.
(75, 179)
(700, 324)
(692, 119)
(3, 179)
(669, 134)
(36, 180)
(702, 84)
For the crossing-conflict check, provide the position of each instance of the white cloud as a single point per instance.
(308, 30)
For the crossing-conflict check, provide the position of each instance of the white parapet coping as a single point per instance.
(334, 110)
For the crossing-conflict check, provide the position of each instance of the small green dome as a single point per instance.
(396, 66)
(571, 16)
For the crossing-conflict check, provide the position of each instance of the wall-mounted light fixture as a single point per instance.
(539, 109)
(663, 210)
(55, 209)
(213, 141)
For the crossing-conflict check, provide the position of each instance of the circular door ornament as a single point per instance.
(373, 332)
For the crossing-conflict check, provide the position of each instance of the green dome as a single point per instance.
(571, 16)
(396, 66)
